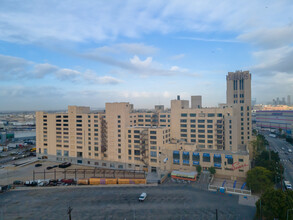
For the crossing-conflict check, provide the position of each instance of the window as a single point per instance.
(153, 154)
(211, 115)
(192, 115)
(58, 152)
(183, 125)
(79, 154)
(66, 153)
(206, 157)
(183, 120)
(220, 115)
(183, 114)
(240, 160)
(45, 151)
(217, 158)
(153, 132)
(137, 152)
(200, 121)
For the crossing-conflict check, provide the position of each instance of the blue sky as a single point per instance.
(59, 53)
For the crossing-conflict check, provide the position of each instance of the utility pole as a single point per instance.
(69, 212)
(260, 217)
(216, 214)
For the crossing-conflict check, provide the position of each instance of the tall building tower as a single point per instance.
(239, 97)
(288, 100)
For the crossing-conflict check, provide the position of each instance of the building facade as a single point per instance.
(159, 140)
(275, 120)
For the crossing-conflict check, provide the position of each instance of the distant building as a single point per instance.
(275, 120)
(289, 100)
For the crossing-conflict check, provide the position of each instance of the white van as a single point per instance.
(288, 185)
(142, 197)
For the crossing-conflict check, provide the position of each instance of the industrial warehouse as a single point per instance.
(157, 141)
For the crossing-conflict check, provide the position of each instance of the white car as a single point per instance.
(142, 197)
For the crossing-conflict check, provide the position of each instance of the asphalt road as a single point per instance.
(286, 158)
(162, 202)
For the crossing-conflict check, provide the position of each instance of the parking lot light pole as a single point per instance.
(288, 210)
(69, 212)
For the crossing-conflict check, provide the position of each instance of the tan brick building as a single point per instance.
(159, 140)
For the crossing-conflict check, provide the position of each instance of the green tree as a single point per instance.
(259, 145)
(198, 169)
(254, 132)
(259, 179)
(212, 170)
(273, 204)
(271, 161)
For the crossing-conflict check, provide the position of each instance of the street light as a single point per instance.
(288, 210)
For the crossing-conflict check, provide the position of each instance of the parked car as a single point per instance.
(64, 165)
(68, 181)
(54, 166)
(17, 182)
(38, 165)
(30, 183)
(33, 154)
(49, 168)
(53, 183)
(142, 197)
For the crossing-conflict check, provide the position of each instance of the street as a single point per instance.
(162, 202)
(286, 158)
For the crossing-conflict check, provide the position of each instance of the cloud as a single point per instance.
(274, 60)
(269, 38)
(134, 65)
(107, 20)
(210, 40)
(91, 77)
(43, 69)
(128, 48)
(178, 56)
(14, 68)
(178, 69)
(141, 63)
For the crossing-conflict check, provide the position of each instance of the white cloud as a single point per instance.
(210, 40)
(178, 56)
(14, 68)
(141, 63)
(106, 20)
(274, 60)
(43, 69)
(128, 48)
(269, 37)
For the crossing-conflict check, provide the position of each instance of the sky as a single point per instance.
(59, 53)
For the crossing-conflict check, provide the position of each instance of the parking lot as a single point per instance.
(162, 202)
(11, 173)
